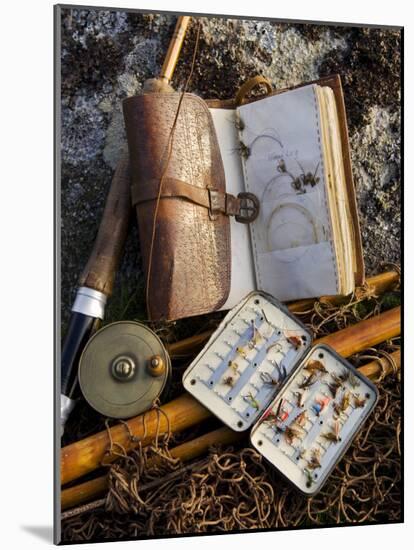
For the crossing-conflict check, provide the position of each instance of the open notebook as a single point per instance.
(288, 149)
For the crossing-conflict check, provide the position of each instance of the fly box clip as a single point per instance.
(247, 360)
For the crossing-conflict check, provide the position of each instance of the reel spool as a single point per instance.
(123, 368)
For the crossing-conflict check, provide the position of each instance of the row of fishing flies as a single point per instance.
(316, 371)
(256, 339)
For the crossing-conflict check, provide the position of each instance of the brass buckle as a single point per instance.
(249, 208)
(214, 197)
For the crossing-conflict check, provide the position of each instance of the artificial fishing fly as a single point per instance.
(308, 381)
(358, 402)
(256, 336)
(353, 380)
(239, 123)
(243, 150)
(275, 345)
(228, 381)
(320, 405)
(336, 378)
(344, 376)
(314, 366)
(281, 166)
(315, 459)
(341, 407)
(301, 419)
(281, 414)
(241, 352)
(334, 387)
(269, 416)
(309, 479)
(234, 366)
(300, 398)
(267, 379)
(291, 433)
(294, 341)
(249, 398)
(265, 317)
(281, 371)
(333, 436)
(301, 452)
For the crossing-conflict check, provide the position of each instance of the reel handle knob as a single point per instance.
(156, 366)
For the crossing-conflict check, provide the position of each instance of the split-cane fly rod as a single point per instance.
(97, 280)
(95, 283)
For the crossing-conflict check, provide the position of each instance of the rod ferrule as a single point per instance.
(90, 302)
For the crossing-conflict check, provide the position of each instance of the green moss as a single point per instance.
(390, 300)
(364, 308)
(126, 304)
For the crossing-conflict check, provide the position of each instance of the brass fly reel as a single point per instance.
(123, 369)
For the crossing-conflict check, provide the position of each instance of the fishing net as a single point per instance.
(234, 489)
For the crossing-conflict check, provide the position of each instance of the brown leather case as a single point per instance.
(190, 268)
(190, 271)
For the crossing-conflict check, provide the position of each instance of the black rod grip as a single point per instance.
(79, 331)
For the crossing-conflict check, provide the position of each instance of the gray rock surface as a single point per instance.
(107, 55)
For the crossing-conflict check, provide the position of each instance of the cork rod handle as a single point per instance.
(100, 270)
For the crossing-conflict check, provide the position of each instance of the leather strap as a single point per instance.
(215, 201)
(248, 86)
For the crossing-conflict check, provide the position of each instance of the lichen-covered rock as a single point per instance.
(107, 55)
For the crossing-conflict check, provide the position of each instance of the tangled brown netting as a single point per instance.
(150, 493)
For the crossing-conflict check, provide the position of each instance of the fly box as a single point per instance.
(305, 403)
(311, 423)
(247, 360)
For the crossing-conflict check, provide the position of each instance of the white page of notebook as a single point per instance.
(242, 271)
(292, 237)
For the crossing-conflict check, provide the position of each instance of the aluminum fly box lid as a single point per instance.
(247, 360)
(311, 423)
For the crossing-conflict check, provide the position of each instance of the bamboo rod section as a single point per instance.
(85, 492)
(188, 345)
(377, 285)
(86, 455)
(175, 474)
(174, 49)
(366, 334)
(186, 451)
(383, 281)
(381, 366)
